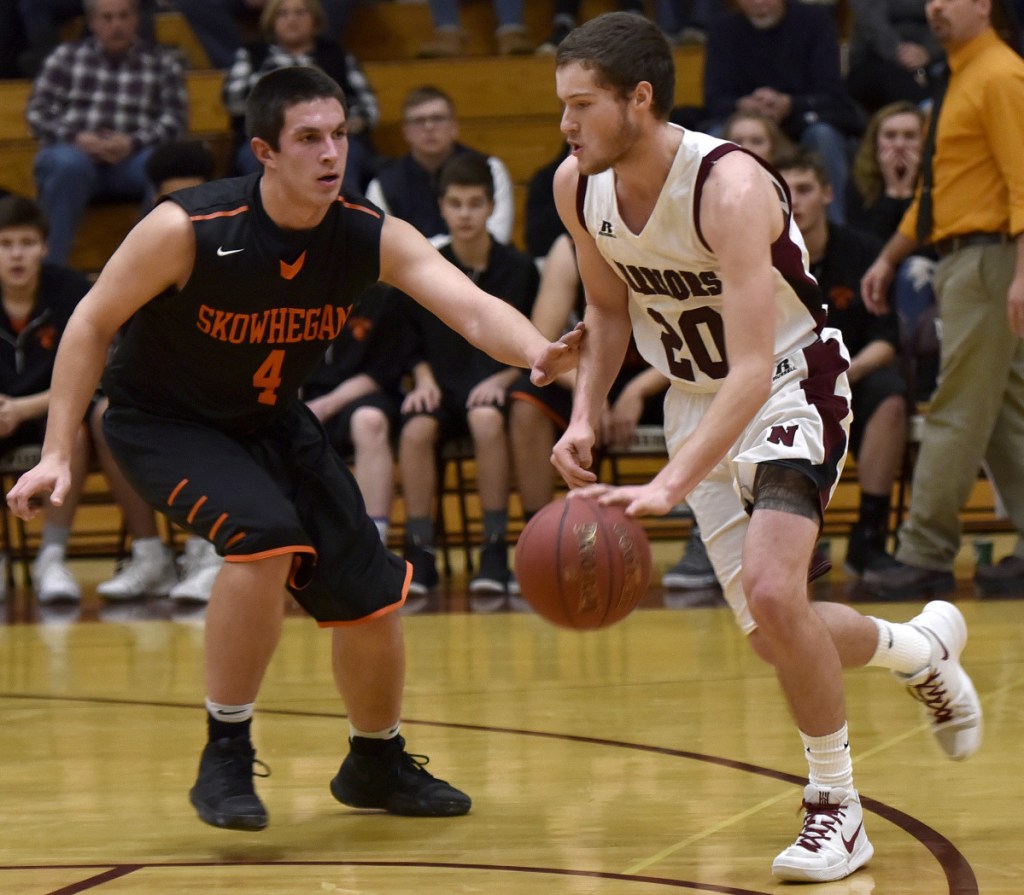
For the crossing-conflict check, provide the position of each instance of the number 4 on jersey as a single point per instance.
(267, 379)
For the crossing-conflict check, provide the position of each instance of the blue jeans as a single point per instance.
(67, 180)
(445, 13)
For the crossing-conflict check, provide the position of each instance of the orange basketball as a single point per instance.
(582, 565)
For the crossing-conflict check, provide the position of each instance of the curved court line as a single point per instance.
(960, 875)
(124, 870)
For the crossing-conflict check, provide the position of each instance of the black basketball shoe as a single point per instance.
(223, 794)
(388, 777)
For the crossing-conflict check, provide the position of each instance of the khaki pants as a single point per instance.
(977, 412)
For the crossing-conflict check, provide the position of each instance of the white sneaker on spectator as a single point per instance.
(199, 567)
(148, 572)
(54, 581)
(832, 843)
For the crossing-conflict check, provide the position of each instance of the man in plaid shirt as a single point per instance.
(99, 107)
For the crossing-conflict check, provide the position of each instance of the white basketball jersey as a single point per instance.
(675, 291)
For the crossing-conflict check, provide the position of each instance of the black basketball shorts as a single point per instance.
(280, 490)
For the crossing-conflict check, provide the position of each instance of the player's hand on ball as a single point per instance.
(637, 500)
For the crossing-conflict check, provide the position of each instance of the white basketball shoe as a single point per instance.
(943, 688)
(832, 843)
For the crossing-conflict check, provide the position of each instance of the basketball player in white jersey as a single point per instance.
(690, 242)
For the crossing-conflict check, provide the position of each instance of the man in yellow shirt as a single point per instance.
(971, 211)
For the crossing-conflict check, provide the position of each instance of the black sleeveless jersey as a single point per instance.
(232, 348)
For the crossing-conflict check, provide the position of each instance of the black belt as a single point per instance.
(954, 243)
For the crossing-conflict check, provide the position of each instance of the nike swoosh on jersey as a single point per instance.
(221, 251)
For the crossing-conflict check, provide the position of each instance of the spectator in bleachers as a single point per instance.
(885, 172)
(99, 107)
(780, 58)
(36, 300)
(458, 390)
(969, 208)
(407, 186)
(218, 24)
(758, 133)
(356, 394)
(839, 256)
(41, 22)
(150, 569)
(885, 169)
(448, 38)
(293, 35)
(892, 53)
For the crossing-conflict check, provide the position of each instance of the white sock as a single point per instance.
(828, 759)
(55, 536)
(147, 546)
(230, 714)
(382, 529)
(386, 734)
(900, 647)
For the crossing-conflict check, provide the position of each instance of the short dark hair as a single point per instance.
(180, 158)
(802, 160)
(425, 94)
(623, 49)
(277, 91)
(19, 211)
(466, 169)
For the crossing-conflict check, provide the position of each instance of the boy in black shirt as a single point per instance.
(36, 299)
(460, 390)
(839, 257)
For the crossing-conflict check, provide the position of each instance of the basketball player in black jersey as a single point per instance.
(237, 287)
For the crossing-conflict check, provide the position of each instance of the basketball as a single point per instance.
(582, 565)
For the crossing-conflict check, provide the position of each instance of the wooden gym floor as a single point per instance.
(654, 756)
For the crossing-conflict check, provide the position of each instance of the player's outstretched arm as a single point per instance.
(156, 254)
(412, 264)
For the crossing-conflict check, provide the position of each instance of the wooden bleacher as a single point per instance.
(506, 106)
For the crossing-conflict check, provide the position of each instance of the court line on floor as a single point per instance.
(959, 874)
(121, 871)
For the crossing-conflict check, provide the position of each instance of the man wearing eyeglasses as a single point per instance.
(407, 186)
